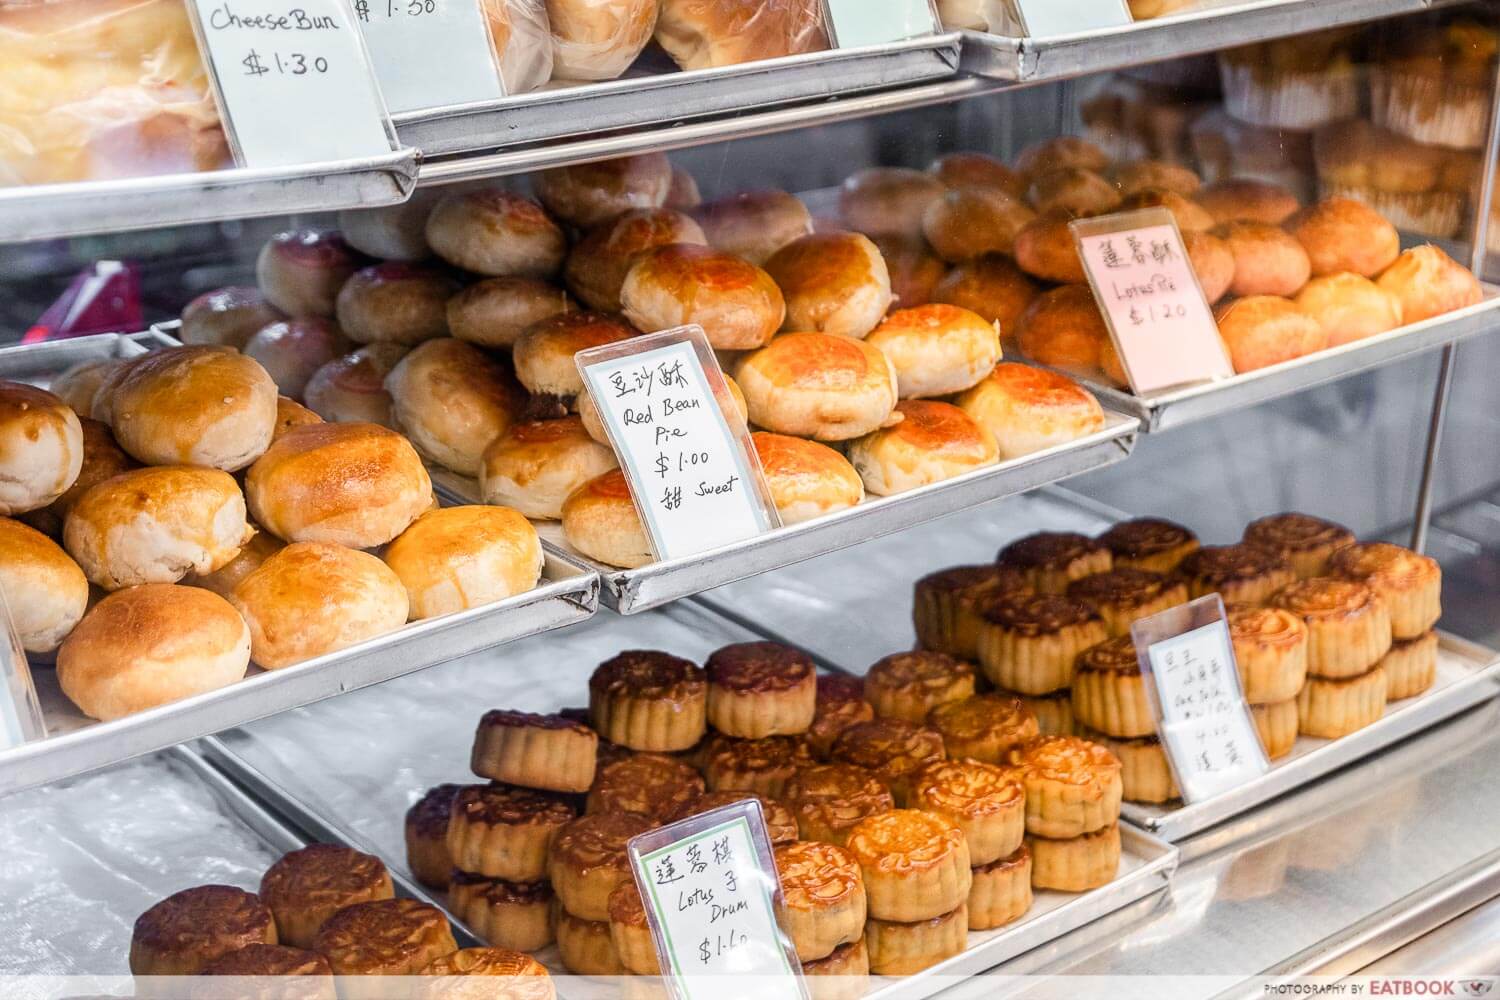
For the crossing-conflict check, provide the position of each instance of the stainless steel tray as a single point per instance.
(568, 593)
(49, 211)
(631, 590)
(661, 98)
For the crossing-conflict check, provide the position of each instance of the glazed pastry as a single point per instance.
(829, 800)
(1409, 585)
(504, 832)
(903, 949)
(1072, 786)
(758, 689)
(1304, 541)
(1001, 893)
(189, 929)
(909, 685)
(647, 700)
(1029, 644)
(1330, 708)
(1410, 667)
(586, 947)
(1270, 650)
(307, 887)
(761, 766)
(1348, 628)
(1238, 573)
(892, 749)
(1276, 724)
(945, 605)
(986, 802)
(314, 977)
(391, 937)
(1075, 865)
(587, 860)
(427, 836)
(841, 704)
(630, 932)
(1053, 559)
(650, 784)
(538, 751)
(515, 915)
(1109, 693)
(1123, 596)
(1145, 774)
(843, 975)
(915, 864)
(986, 727)
(1149, 543)
(823, 898)
(521, 976)
(781, 825)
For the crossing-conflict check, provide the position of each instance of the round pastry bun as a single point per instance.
(1064, 329)
(358, 485)
(598, 264)
(535, 465)
(978, 170)
(991, 286)
(222, 581)
(1263, 330)
(1156, 175)
(806, 479)
(1267, 259)
(495, 312)
(1190, 216)
(1045, 248)
(300, 271)
(157, 525)
(1429, 283)
(754, 224)
(934, 441)
(102, 459)
(737, 304)
(1060, 153)
(289, 414)
(103, 408)
(833, 283)
(1213, 263)
(913, 268)
(290, 350)
(819, 386)
(701, 35)
(1028, 409)
(456, 558)
(881, 200)
(41, 447)
(195, 406)
(391, 232)
(683, 195)
(588, 194)
(1078, 191)
(149, 645)
(397, 303)
(496, 233)
(594, 426)
(313, 598)
(600, 520)
(968, 221)
(594, 40)
(544, 354)
(1242, 199)
(1342, 234)
(79, 384)
(352, 388)
(452, 399)
(44, 589)
(226, 316)
(937, 350)
(1349, 307)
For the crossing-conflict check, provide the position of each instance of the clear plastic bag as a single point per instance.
(699, 34)
(101, 89)
(978, 15)
(598, 39)
(522, 39)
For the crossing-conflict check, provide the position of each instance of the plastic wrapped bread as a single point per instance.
(598, 39)
(701, 34)
(522, 40)
(978, 15)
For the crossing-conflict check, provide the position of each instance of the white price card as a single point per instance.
(1205, 725)
(404, 35)
(695, 476)
(853, 23)
(1048, 18)
(711, 891)
(294, 81)
(1144, 282)
(20, 712)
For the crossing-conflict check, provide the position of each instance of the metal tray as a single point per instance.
(50, 211)
(669, 95)
(568, 593)
(1220, 25)
(631, 590)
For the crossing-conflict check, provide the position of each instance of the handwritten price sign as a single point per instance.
(403, 35)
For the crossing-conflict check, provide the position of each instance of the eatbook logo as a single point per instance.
(1477, 987)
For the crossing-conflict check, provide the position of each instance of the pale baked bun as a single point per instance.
(1064, 328)
(1212, 262)
(598, 39)
(1267, 259)
(289, 414)
(738, 305)
(913, 268)
(149, 645)
(806, 479)
(352, 388)
(992, 286)
(290, 350)
(544, 355)
(702, 34)
(1242, 199)
(312, 598)
(592, 423)
(41, 447)
(683, 195)
(300, 271)
(754, 224)
(358, 485)
(1429, 283)
(1342, 234)
(391, 232)
(1059, 153)
(1028, 409)
(934, 441)
(79, 384)
(102, 459)
(103, 408)
(195, 406)
(396, 303)
(1157, 175)
(535, 465)
(599, 519)
(457, 558)
(157, 525)
(222, 581)
(978, 170)
(495, 312)
(588, 194)
(44, 589)
(887, 200)
(1349, 307)
(452, 399)
(598, 264)
(1188, 214)
(1078, 191)
(1045, 248)
(833, 283)
(968, 221)
(819, 386)
(937, 350)
(1264, 330)
(227, 316)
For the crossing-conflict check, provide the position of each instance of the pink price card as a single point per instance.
(1162, 326)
